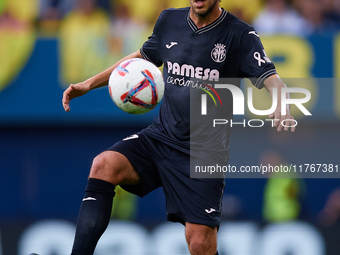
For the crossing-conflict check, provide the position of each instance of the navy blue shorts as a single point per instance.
(160, 165)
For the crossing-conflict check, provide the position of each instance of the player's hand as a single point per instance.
(287, 120)
(74, 90)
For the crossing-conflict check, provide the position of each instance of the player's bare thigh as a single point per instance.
(114, 167)
(201, 239)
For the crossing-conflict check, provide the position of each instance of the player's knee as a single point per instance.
(199, 245)
(113, 167)
(201, 239)
(100, 165)
(105, 167)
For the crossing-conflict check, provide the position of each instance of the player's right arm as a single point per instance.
(97, 81)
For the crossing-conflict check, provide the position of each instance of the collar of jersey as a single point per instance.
(201, 30)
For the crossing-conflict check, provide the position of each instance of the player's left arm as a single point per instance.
(270, 83)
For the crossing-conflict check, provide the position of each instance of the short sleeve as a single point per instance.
(254, 62)
(150, 50)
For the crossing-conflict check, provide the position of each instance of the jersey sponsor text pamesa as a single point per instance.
(193, 72)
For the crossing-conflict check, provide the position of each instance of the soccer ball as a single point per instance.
(136, 86)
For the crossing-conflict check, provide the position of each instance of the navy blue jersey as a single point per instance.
(227, 48)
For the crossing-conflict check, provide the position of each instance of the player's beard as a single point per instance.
(203, 12)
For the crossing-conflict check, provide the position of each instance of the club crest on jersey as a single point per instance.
(219, 53)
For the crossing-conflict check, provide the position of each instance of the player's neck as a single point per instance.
(202, 21)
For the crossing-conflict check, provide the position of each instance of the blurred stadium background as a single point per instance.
(46, 153)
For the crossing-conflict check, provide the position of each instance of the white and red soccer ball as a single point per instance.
(136, 86)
